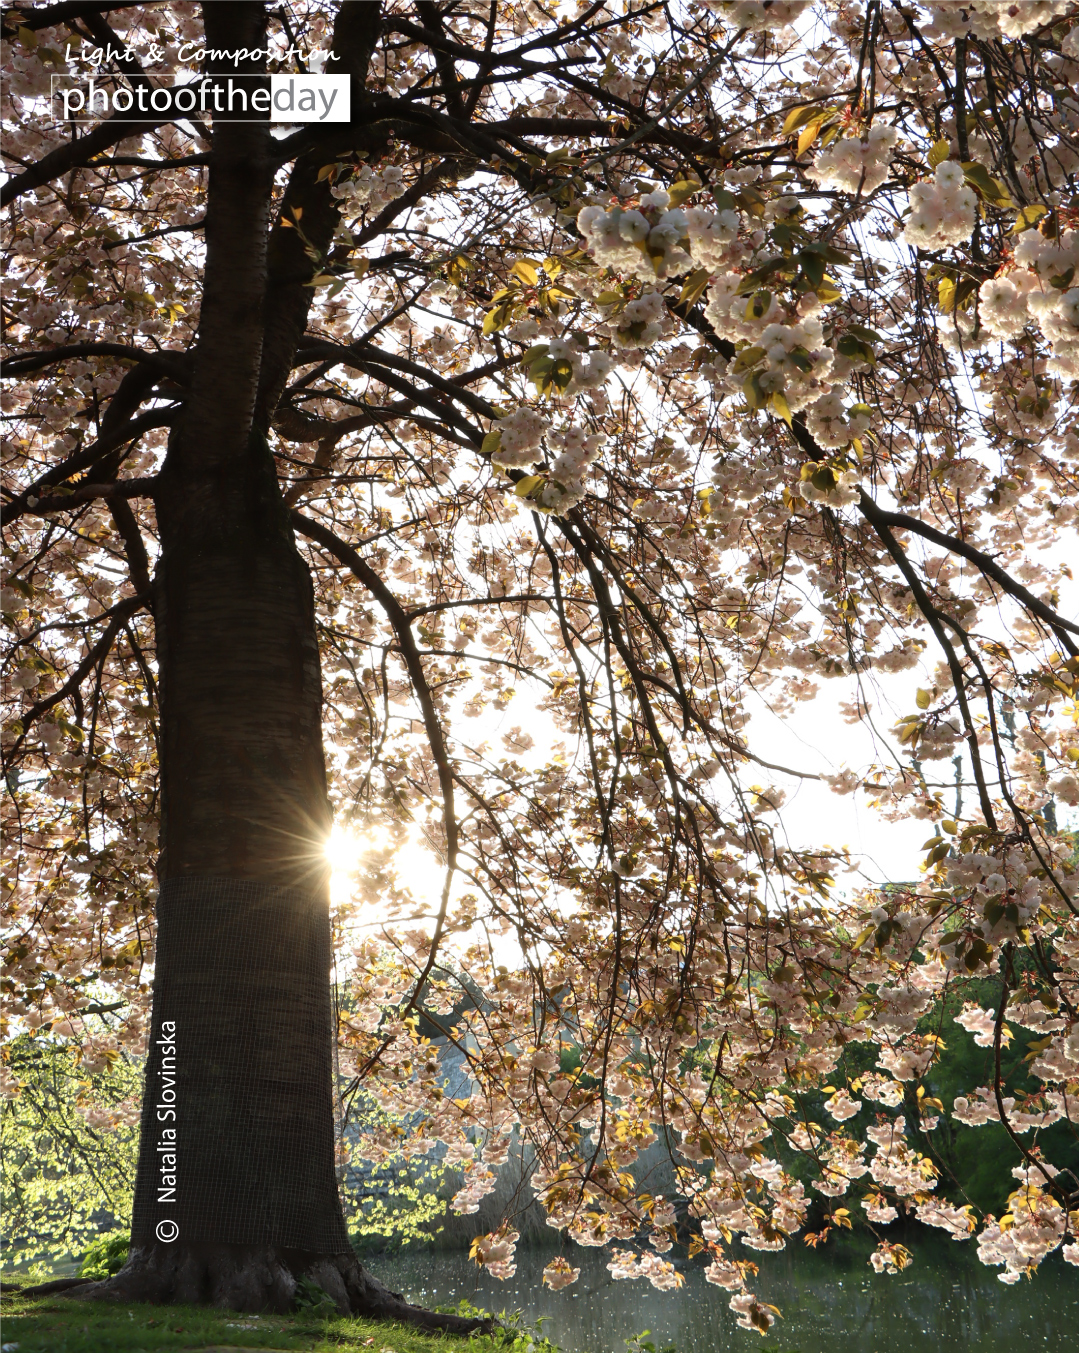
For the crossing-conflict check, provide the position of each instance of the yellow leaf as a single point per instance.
(1028, 216)
(746, 358)
(755, 397)
(693, 288)
(682, 191)
(938, 153)
(807, 136)
(491, 443)
(864, 936)
(526, 270)
(496, 319)
(923, 699)
(779, 403)
(526, 484)
(798, 117)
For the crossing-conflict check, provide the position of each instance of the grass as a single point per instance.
(52, 1324)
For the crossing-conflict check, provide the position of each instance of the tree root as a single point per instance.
(254, 1279)
(50, 1288)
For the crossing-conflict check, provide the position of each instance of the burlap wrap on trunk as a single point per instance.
(243, 976)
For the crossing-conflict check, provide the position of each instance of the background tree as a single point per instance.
(635, 365)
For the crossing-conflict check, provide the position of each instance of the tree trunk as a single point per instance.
(236, 1194)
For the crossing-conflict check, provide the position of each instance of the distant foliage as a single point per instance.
(70, 1141)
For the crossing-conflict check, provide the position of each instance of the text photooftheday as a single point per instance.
(285, 99)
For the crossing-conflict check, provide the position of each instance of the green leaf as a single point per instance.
(546, 373)
(987, 187)
(812, 267)
(526, 484)
(829, 252)
(754, 279)
(850, 345)
(491, 442)
(758, 304)
(609, 298)
(533, 354)
(938, 153)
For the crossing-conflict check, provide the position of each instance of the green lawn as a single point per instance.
(56, 1325)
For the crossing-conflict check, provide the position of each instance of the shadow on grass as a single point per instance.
(60, 1325)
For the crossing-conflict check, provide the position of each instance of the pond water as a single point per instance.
(830, 1299)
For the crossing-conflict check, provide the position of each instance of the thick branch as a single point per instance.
(138, 561)
(303, 232)
(229, 350)
(173, 364)
(86, 493)
(901, 521)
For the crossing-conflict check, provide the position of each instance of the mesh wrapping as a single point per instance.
(242, 973)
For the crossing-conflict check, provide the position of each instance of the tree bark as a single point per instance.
(236, 1196)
